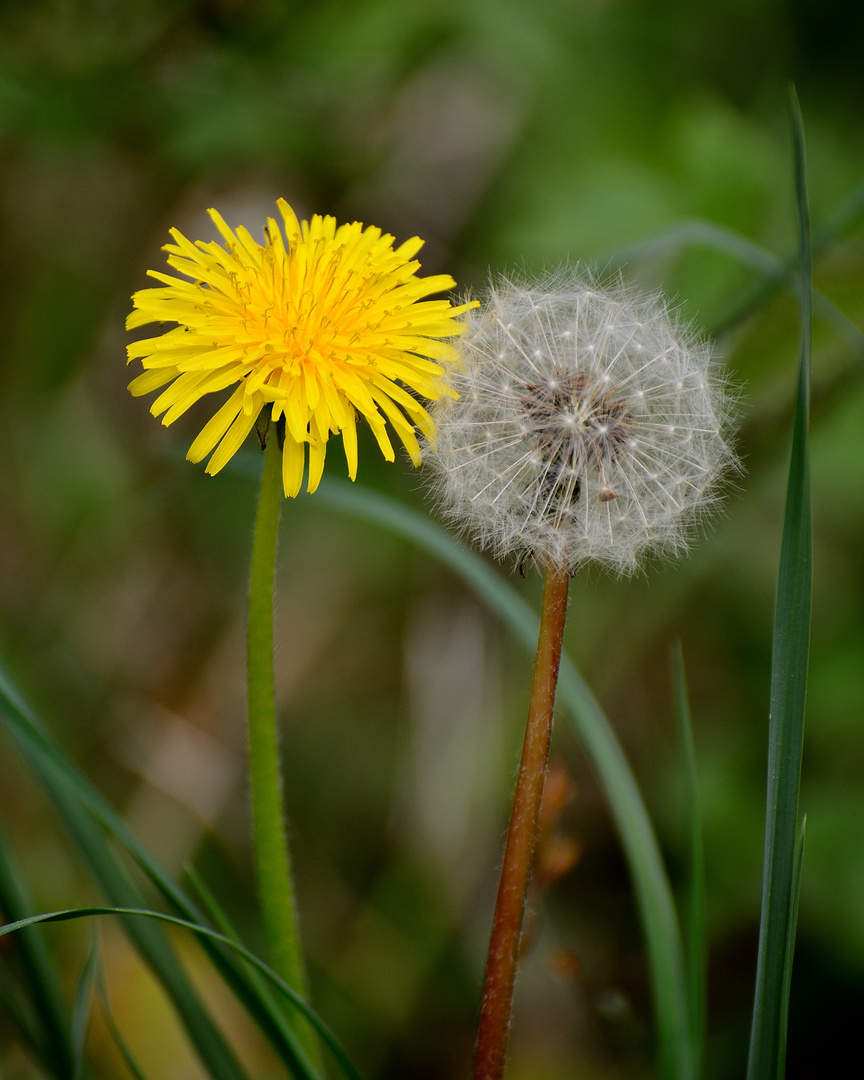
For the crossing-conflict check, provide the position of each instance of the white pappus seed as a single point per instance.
(587, 425)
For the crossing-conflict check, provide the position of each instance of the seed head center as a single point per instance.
(576, 419)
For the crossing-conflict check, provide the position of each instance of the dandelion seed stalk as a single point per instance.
(494, 1028)
(272, 858)
(586, 423)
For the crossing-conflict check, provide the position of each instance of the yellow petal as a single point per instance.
(150, 380)
(231, 442)
(349, 441)
(216, 427)
(293, 460)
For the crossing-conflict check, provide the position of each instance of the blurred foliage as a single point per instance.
(508, 135)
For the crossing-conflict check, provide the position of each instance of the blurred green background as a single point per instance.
(510, 135)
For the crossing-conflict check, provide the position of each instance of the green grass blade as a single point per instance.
(53, 767)
(54, 1038)
(148, 938)
(788, 695)
(20, 1019)
(133, 914)
(222, 923)
(211, 905)
(695, 926)
(790, 940)
(218, 917)
(650, 881)
(81, 1008)
(699, 233)
(61, 782)
(114, 1030)
(654, 895)
(774, 273)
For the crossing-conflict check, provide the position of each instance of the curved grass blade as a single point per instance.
(148, 938)
(653, 892)
(217, 915)
(775, 273)
(21, 1021)
(843, 216)
(781, 866)
(218, 918)
(699, 233)
(201, 932)
(48, 1032)
(59, 775)
(114, 1030)
(81, 1007)
(695, 926)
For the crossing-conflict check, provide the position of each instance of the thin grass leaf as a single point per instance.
(201, 932)
(114, 1030)
(790, 941)
(220, 920)
(698, 233)
(650, 881)
(217, 915)
(118, 888)
(845, 215)
(653, 892)
(16, 1011)
(774, 272)
(81, 1007)
(64, 786)
(788, 697)
(694, 931)
(49, 1032)
(211, 905)
(52, 766)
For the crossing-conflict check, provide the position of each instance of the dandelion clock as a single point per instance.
(584, 424)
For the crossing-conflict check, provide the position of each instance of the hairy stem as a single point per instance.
(272, 859)
(494, 1029)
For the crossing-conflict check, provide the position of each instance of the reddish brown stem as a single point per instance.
(494, 1029)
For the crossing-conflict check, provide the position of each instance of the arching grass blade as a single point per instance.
(46, 1026)
(145, 914)
(694, 930)
(653, 892)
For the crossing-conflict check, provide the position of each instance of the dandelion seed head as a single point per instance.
(607, 418)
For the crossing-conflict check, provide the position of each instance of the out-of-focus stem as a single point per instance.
(494, 1029)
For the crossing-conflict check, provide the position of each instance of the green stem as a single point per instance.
(494, 1029)
(272, 859)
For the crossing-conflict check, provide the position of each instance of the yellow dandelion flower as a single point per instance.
(323, 323)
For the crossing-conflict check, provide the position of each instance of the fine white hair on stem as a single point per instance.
(586, 423)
